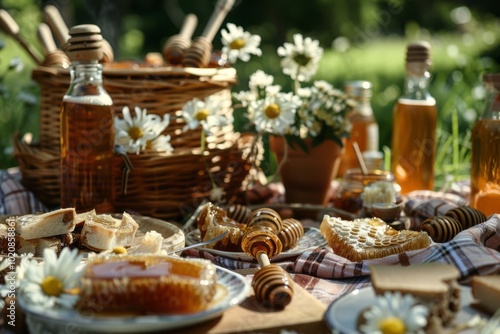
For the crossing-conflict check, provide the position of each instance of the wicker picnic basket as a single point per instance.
(160, 185)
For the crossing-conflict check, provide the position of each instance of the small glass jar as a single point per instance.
(349, 193)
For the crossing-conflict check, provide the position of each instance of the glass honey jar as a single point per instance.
(348, 196)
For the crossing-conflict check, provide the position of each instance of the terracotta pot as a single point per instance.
(307, 176)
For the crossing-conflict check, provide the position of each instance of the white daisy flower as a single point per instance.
(204, 112)
(276, 114)
(260, 79)
(161, 143)
(395, 313)
(136, 133)
(301, 59)
(239, 44)
(53, 282)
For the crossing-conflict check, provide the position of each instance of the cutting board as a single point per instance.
(304, 314)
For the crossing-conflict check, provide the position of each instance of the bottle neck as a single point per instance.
(417, 86)
(86, 84)
(492, 106)
(363, 106)
(86, 72)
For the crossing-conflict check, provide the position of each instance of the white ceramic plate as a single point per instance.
(312, 238)
(232, 290)
(342, 314)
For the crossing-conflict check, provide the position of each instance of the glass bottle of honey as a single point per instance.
(414, 125)
(485, 158)
(87, 129)
(364, 130)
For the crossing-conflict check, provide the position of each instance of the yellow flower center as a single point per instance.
(301, 59)
(135, 132)
(52, 286)
(119, 250)
(392, 325)
(272, 110)
(202, 115)
(237, 44)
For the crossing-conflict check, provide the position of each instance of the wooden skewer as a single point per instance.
(359, 156)
(175, 47)
(12, 28)
(198, 55)
(45, 37)
(56, 23)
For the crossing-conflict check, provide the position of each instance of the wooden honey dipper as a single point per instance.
(12, 28)
(53, 55)
(56, 23)
(61, 32)
(175, 47)
(198, 54)
(271, 284)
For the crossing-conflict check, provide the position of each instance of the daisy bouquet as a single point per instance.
(314, 110)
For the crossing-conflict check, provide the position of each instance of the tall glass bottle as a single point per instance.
(87, 130)
(414, 125)
(364, 126)
(485, 159)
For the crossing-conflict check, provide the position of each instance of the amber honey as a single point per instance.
(485, 172)
(414, 144)
(364, 132)
(352, 185)
(87, 141)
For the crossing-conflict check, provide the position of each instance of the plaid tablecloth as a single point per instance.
(15, 199)
(475, 251)
(327, 276)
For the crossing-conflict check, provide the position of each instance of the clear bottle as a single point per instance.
(87, 128)
(485, 159)
(365, 129)
(414, 125)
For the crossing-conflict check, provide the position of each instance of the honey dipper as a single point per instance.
(176, 45)
(56, 24)
(290, 233)
(12, 28)
(271, 283)
(61, 32)
(53, 55)
(198, 54)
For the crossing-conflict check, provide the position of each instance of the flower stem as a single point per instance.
(283, 159)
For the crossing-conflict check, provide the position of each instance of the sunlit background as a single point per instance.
(363, 39)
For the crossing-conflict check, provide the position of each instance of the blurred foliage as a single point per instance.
(363, 39)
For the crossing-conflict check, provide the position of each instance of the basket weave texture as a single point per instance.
(160, 185)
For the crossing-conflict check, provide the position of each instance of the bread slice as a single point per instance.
(486, 290)
(369, 238)
(43, 225)
(434, 284)
(147, 284)
(101, 232)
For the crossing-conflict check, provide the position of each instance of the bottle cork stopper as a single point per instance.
(418, 52)
(418, 58)
(85, 43)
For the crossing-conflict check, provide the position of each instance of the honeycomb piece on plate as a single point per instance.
(369, 238)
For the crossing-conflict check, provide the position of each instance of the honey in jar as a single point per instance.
(413, 141)
(365, 131)
(485, 159)
(87, 128)
(352, 185)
